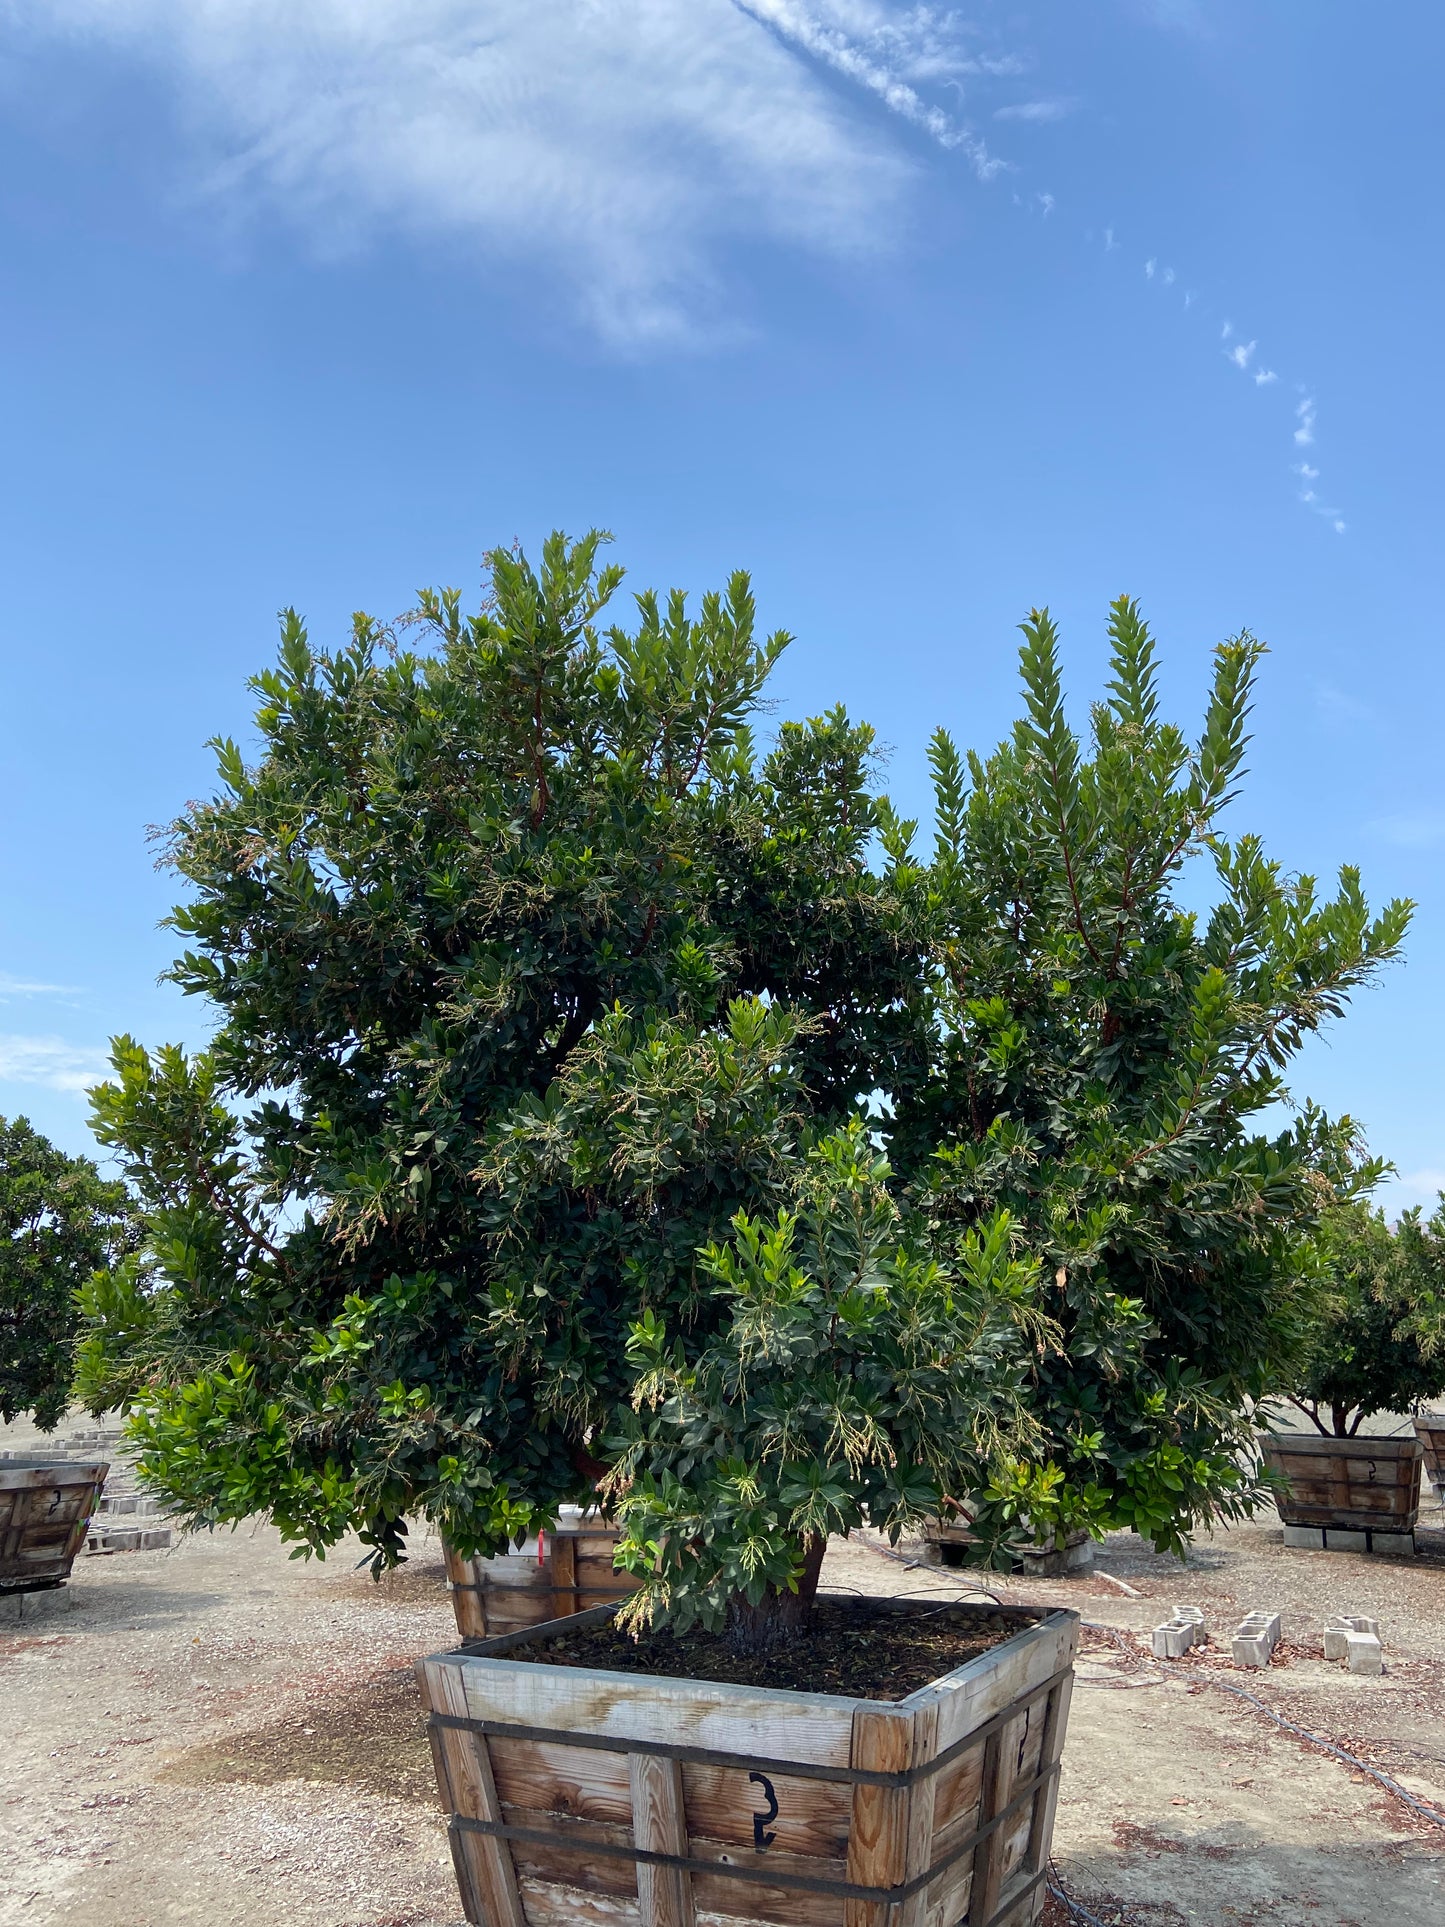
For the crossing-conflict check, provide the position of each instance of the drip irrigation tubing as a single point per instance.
(1076, 1908)
(1207, 1678)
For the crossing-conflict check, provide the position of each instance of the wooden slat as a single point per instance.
(811, 1821)
(664, 1894)
(1000, 1766)
(878, 1833)
(562, 1562)
(751, 1721)
(548, 1905)
(484, 1865)
(719, 1801)
(754, 1900)
(974, 1693)
(919, 1818)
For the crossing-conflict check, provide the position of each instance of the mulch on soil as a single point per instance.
(369, 1732)
(855, 1649)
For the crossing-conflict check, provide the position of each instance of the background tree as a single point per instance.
(394, 1254)
(1380, 1345)
(1095, 1057)
(60, 1221)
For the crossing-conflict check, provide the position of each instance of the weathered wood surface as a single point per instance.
(1359, 1483)
(591, 1772)
(518, 1589)
(45, 1507)
(1430, 1431)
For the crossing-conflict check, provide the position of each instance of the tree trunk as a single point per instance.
(778, 1617)
(1340, 1414)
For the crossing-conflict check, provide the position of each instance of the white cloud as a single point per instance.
(1149, 267)
(11, 987)
(1264, 376)
(1035, 110)
(889, 53)
(1169, 277)
(49, 1061)
(1412, 829)
(1046, 202)
(622, 141)
(1305, 415)
(1240, 353)
(1109, 242)
(1226, 331)
(1309, 474)
(1417, 1187)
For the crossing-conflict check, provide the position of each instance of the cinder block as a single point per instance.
(1341, 1539)
(1364, 1653)
(1309, 1538)
(1336, 1638)
(1255, 1638)
(1400, 1545)
(1174, 1638)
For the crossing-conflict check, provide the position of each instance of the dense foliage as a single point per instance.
(59, 1222)
(462, 896)
(854, 1380)
(1094, 1061)
(595, 1099)
(1380, 1345)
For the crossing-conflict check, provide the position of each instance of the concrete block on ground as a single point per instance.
(1255, 1638)
(1309, 1538)
(1341, 1539)
(1399, 1544)
(1345, 1627)
(1174, 1638)
(1364, 1653)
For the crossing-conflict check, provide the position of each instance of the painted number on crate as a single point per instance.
(760, 1820)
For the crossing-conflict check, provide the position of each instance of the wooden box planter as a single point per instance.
(45, 1507)
(608, 1799)
(570, 1572)
(1347, 1489)
(1430, 1430)
(1076, 1554)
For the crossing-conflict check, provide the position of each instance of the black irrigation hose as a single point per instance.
(1207, 1678)
(1425, 1811)
(1077, 1910)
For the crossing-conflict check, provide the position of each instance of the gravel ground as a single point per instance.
(220, 1734)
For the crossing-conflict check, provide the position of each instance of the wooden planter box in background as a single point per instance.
(1430, 1430)
(578, 1798)
(45, 1507)
(1360, 1494)
(519, 1589)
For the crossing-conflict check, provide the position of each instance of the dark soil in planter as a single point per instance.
(854, 1648)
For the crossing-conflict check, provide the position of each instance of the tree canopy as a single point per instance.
(1379, 1345)
(461, 889)
(594, 1097)
(61, 1221)
(1096, 1056)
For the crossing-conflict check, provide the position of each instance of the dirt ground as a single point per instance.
(223, 1735)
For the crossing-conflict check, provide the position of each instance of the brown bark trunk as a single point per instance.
(778, 1617)
(1340, 1414)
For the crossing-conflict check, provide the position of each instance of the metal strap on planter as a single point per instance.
(784, 1769)
(767, 1875)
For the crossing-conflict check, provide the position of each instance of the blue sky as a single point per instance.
(923, 314)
